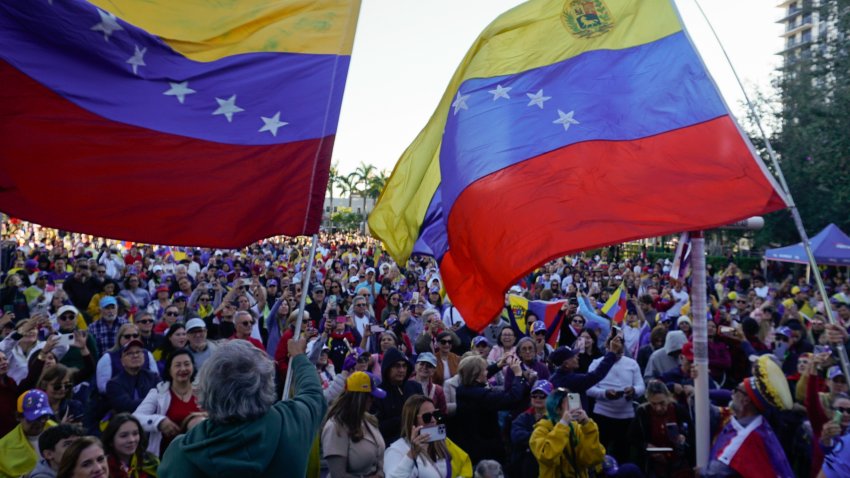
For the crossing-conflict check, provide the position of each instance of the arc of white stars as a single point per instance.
(272, 124)
(460, 103)
(227, 108)
(108, 24)
(138, 59)
(500, 92)
(180, 90)
(537, 98)
(566, 119)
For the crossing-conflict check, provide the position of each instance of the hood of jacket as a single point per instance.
(392, 357)
(674, 341)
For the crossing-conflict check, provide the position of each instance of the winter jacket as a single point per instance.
(566, 450)
(388, 409)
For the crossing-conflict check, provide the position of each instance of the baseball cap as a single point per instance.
(42, 274)
(538, 326)
(33, 405)
(131, 344)
(480, 340)
(108, 300)
(516, 289)
(835, 371)
(178, 296)
(363, 382)
(688, 351)
(354, 280)
(427, 357)
(195, 323)
(561, 355)
(610, 466)
(544, 386)
(157, 268)
(271, 283)
(162, 288)
(318, 288)
(795, 290)
(370, 270)
(67, 308)
(784, 330)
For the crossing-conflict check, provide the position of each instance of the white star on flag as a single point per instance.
(180, 90)
(227, 108)
(500, 92)
(272, 124)
(566, 119)
(138, 59)
(537, 99)
(108, 24)
(460, 103)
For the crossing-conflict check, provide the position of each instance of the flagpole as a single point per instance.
(795, 213)
(699, 313)
(305, 281)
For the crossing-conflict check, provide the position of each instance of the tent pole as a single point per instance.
(699, 315)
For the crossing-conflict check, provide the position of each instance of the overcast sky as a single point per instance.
(406, 51)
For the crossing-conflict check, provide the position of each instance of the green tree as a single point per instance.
(362, 176)
(333, 176)
(346, 219)
(376, 184)
(346, 186)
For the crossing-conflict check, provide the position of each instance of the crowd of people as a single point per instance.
(126, 360)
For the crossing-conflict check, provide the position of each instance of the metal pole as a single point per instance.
(798, 221)
(305, 281)
(699, 312)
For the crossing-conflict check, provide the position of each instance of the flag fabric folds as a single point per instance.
(568, 125)
(615, 306)
(184, 123)
(682, 258)
(547, 311)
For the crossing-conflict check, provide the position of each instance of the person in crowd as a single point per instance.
(415, 453)
(447, 361)
(106, 328)
(110, 365)
(12, 297)
(666, 357)
(614, 394)
(523, 462)
(280, 355)
(277, 322)
(588, 349)
(156, 307)
(834, 429)
(316, 308)
(657, 337)
(170, 316)
(18, 455)
(571, 330)
(662, 423)
(719, 356)
(244, 327)
(532, 368)
(236, 387)
(66, 319)
(426, 364)
(175, 339)
(145, 322)
(539, 333)
(81, 287)
(125, 446)
(489, 469)
(52, 444)
(476, 426)
(566, 442)
(747, 445)
(22, 344)
(57, 381)
(165, 410)
(137, 297)
(395, 373)
(85, 458)
(130, 386)
(351, 441)
(8, 397)
(108, 289)
(199, 347)
(505, 344)
(565, 360)
(819, 405)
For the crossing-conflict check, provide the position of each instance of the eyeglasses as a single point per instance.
(844, 410)
(172, 314)
(427, 417)
(130, 336)
(446, 342)
(578, 321)
(247, 322)
(58, 387)
(144, 321)
(362, 304)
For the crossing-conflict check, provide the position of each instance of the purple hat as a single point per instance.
(784, 330)
(272, 282)
(544, 386)
(480, 340)
(33, 405)
(31, 264)
(178, 296)
(538, 326)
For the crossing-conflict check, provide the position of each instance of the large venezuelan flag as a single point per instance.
(173, 122)
(569, 125)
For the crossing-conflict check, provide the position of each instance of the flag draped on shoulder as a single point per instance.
(615, 306)
(184, 123)
(563, 129)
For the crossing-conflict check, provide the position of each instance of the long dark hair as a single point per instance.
(112, 430)
(350, 410)
(166, 373)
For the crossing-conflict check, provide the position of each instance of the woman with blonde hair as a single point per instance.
(414, 454)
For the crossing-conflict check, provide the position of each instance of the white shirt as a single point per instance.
(398, 465)
(625, 373)
(681, 298)
(452, 316)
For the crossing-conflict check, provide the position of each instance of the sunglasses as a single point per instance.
(130, 336)
(144, 321)
(247, 322)
(538, 396)
(446, 342)
(58, 387)
(844, 410)
(67, 317)
(172, 314)
(578, 321)
(427, 417)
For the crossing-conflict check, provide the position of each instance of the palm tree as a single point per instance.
(333, 176)
(346, 186)
(376, 184)
(362, 175)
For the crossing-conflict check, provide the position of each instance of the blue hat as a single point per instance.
(178, 296)
(538, 326)
(561, 355)
(479, 340)
(610, 466)
(786, 331)
(835, 371)
(544, 386)
(108, 300)
(427, 357)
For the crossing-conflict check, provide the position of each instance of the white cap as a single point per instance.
(195, 323)
(67, 308)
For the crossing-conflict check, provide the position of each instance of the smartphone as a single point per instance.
(415, 299)
(434, 433)
(66, 339)
(573, 401)
(672, 431)
(820, 349)
(377, 329)
(658, 449)
(725, 329)
(332, 300)
(8, 308)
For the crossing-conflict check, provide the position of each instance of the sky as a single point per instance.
(405, 52)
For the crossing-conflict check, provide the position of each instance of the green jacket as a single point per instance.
(278, 444)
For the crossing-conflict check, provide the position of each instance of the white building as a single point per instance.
(804, 29)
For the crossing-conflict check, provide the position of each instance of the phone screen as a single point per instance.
(415, 298)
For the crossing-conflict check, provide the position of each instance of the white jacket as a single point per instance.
(398, 465)
(152, 411)
(19, 360)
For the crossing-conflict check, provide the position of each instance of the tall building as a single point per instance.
(805, 30)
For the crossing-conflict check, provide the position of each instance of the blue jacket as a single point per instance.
(581, 382)
(125, 392)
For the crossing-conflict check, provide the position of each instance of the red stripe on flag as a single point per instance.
(65, 167)
(592, 194)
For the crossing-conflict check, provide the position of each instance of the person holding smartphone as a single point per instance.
(566, 442)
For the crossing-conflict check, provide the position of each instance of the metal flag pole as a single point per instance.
(798, 221)
(699, 316)
(305, 281)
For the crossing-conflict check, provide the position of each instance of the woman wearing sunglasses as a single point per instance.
(58, 381)
(423, 449)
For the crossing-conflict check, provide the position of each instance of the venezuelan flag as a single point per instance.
(568, 125)
(615, 306)
(547, 311)
(171, 122)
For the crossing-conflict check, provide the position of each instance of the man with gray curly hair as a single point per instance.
(249, 432)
